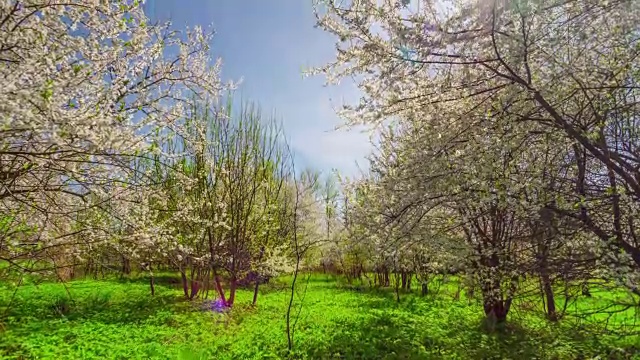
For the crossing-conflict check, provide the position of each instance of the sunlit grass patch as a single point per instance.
(112, 319)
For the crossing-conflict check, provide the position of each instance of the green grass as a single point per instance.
(113, 319)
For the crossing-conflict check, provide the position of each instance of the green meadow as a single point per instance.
(119, 319)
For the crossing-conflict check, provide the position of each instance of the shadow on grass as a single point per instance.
(163, 279)
(435, 328)
(371, 338)
(382, 337)
(131, 311)
(126, 306)
(51, 313)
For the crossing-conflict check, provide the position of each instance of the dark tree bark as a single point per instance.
(397, 285)
(185, 284)
(550, 299)
(126, 265)
(425, 289)
(258, 278)
(233, 284)
(152, 284)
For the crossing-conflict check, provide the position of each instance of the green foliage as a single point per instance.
(113, 319)
(47, 92)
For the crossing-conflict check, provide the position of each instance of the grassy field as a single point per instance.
(115, 319)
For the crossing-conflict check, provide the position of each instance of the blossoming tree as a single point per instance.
(86, 85)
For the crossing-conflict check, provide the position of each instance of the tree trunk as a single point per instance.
(347, 274)
(206, 285)
(255, 289)
(409, 276)
(152, 285)
(495, 308)
(195, 287)
(219, 288)
(404, 280)
(471, 290)
(96, 270)
(126, 265)
(458, 291)
(89, 268)
(232, 291)
(255, 293)
(425, 289)
(185, 283)
(550, 300)
(496, 311)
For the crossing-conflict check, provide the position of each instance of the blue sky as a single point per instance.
(268, 44)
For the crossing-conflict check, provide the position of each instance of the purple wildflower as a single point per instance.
(217, 305)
